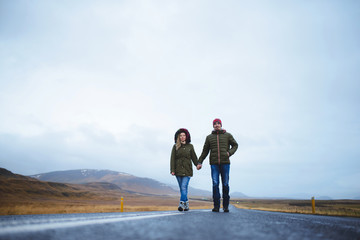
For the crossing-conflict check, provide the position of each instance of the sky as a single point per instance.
(106, 84)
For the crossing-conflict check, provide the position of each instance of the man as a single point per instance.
(221, 145)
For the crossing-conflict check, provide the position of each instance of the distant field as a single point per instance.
(131, 204)
(136, 203)
(24, 195)
(350, 208)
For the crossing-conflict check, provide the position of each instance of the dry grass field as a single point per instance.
(24, 195)
(350, 208)
(51, 198)
(131, 204)
(109, 201)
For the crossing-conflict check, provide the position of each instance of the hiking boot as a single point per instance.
(226, 209)
(181, 206)
(215, 209)
(186, 206)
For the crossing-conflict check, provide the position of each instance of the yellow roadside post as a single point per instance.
(122, 205)
(313, 205)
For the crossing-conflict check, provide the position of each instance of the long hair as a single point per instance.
(177, 137)
(178, 143)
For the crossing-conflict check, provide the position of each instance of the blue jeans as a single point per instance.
(223, 170)
(183, 185)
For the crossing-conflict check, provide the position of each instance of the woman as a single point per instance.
(180, 164)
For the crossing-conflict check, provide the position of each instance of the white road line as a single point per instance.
(55, 225)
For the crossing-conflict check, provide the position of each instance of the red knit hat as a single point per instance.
(217, 120)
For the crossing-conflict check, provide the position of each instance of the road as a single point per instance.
(195, 224)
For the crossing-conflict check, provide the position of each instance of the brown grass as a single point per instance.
(24, 195)
(350, 208)
(71, 208)
(132, 203)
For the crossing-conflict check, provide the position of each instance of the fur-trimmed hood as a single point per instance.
(183, 130)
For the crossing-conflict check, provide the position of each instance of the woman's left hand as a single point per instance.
(172, 173)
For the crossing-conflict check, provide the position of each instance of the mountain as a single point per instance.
(26, 195)
(194, 191)
(198, 192)
(15, 186)
(6, 174)
(238, 195)
(124, 181)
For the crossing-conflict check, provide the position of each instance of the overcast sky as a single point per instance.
(106, 84)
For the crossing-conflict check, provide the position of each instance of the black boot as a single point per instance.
(215, 209)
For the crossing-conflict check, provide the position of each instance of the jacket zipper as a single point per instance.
(218, 145)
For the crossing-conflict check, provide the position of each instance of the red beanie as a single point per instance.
(217, 120)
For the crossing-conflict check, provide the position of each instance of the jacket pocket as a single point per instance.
(224, 156)
(178, 166)
(188, 166)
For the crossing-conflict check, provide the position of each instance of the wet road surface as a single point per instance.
(195, 224)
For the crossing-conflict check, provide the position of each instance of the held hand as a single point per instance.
(172, 173)
(198, 167)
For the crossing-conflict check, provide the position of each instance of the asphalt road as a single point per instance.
(195, 224)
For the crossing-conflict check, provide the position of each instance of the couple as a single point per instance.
(218, 143)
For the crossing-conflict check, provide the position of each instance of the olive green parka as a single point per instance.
(180, 162)
(219, 143)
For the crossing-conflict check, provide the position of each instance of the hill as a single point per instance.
(238, 195)
(27, 195)
(18, 187)
(125, 181)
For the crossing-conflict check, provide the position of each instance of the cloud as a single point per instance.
(107, 84)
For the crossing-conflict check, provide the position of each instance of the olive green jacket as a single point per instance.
(219, 143)
(180, 161)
